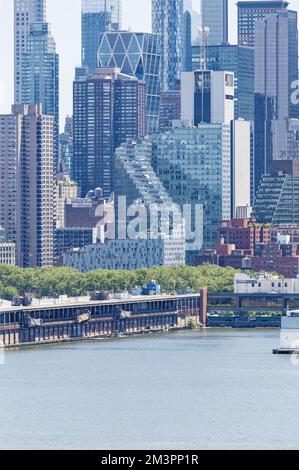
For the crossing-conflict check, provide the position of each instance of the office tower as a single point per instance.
(27, 196)
(40, 75)
(113, 7)
(109, 108)
(193, 7)
(215, 17)
(240, 61)
(97, 16)
(170, 109)
(275, 71)
(135, 54)
(66, 146)
(207, 96)
(251, 11)
(167, 23)
(26, 12)
(187, 42)
(194, 165)
(276, 67)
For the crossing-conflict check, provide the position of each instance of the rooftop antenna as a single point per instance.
(204, 34)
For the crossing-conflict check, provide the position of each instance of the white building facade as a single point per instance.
(265, 284)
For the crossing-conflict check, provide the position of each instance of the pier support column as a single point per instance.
(203, 306)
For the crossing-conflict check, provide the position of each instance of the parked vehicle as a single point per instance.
(24, 301)
(97, 296)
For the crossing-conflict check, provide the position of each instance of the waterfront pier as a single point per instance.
(73, 321)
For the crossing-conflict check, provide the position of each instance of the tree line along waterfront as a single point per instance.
(47, 282)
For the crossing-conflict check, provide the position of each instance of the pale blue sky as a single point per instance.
(64, 15)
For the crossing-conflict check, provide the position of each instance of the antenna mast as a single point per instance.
(204, 33)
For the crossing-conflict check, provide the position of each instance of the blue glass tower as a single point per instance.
(167, 23)
(135, 54)
(26, 12)
(40, 75)
(98, 16)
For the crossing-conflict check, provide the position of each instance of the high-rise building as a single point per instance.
(207, 96)
(208, 165)
(167, 23)
(240, 61)
(35, 182)
(113, 7)
(97, 16)
(251, 11)
(193, 7)
(109, 108)
(135, 54)
(215, 17)
(10, 126)
(27, 198)
(138, 182)
(40, 75)
(194, 165)
(26, 12)
(187, 42)
(276, 67)
(136, 178)
(276, 71)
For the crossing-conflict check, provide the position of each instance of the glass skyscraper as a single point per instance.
(215, 17)
(194, 165)
(113, 7)
(276, 68)
(167, 23)
(40, 75)
(26, 12)
(97, 16)
(136, 54)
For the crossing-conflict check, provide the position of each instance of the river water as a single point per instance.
(219, 389)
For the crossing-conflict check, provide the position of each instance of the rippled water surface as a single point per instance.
(213, 389)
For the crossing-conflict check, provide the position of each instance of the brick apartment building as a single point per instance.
(245, 245)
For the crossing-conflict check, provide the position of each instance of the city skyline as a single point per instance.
(135, 15)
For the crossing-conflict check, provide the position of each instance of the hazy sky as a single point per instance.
(64, 15)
